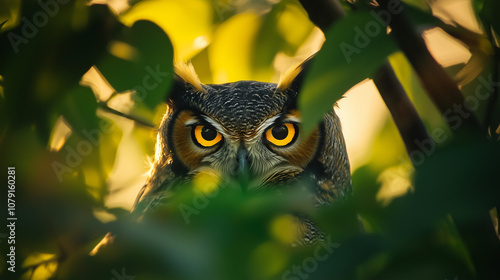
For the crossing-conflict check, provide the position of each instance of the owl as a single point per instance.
(245, 131)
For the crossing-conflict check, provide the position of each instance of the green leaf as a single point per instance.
(79, 108)
(141, 60)
(10, 14)
(421, 17)
(53, 70)
(421, 4)
(355, 47)
(487, 11)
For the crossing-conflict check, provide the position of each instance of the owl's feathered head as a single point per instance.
(233, 126)
(249, 130)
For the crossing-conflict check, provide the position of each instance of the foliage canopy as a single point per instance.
(79, 82)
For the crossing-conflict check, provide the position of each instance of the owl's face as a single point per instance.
(248, 132)
(245, 128)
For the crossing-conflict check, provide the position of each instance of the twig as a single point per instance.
(2, 24)
(136, 119)
(323, 13)
(406, 118)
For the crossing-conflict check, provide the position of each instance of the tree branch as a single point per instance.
(136, 119)
(323, 13)
(479, 235)
(404, 114)
(442, 90)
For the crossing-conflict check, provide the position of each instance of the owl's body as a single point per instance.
(245, 131)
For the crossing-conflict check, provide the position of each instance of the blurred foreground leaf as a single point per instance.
(40, 64)
(140, 59)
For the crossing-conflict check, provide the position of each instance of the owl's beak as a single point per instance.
(243, 170)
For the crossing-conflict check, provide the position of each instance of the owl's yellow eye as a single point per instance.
(206, 136)
(281, 134)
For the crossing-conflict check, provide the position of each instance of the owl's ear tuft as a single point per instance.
(185, 73)
(294, 77)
